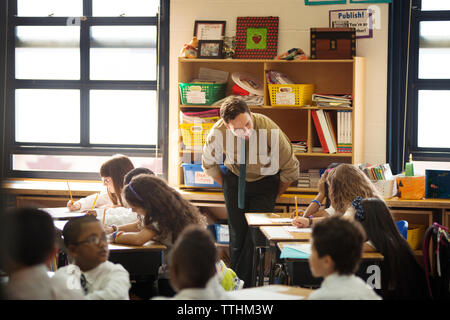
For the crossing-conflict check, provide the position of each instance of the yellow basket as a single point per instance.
(290, 95)
(415, 235)
(194, 134)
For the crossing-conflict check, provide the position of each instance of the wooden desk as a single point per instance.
(300, 272)
(271, 292)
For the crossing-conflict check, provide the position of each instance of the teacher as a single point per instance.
(261, 166)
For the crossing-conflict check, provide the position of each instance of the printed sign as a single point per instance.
(360, 19)
(202, 178)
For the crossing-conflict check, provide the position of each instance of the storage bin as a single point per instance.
(195, 134)
(415, 235)
(201, 93)
(194, 176)
(222, 233)
(411, 188)
(285, 95)
(387, 188)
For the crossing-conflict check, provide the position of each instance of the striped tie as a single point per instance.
(83, 283)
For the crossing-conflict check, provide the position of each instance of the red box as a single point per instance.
(333, 43)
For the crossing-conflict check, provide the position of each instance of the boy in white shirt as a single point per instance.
(99, 279)
(336, 250)
(29, 244)
(192, 267)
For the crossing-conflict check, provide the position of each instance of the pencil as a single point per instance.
(104, 214)
(70, 192)
(296, 210)
(93, 206)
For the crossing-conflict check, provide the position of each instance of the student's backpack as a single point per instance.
(437, 262)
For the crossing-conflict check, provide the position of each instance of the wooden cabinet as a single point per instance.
(328, 77)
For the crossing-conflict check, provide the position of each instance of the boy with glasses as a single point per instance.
(99, 279)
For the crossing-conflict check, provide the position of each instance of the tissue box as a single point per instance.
(411, 188)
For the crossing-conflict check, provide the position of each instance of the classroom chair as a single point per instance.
(402, 226)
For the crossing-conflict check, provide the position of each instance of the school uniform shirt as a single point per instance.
(33, 283)
(107, 281)
(344, 287)
(288, 165)
(212, 291)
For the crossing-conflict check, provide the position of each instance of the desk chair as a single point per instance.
(402, 226)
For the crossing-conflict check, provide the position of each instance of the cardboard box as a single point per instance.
(411, 188)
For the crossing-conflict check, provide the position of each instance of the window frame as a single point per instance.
(160, 85)
(415, 84)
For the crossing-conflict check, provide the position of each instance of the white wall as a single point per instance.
(295, 22)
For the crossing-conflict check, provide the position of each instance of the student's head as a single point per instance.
(326, 187)
(237, 117)
(28, 238)
(345, 183)
(135, 172)
(159, 204)
(336, 246)
(86, 241)
(113, 172)
(192, 259)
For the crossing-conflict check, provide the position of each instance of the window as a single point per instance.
(85, 80)
(428, 129)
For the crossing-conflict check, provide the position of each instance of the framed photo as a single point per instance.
(256, 37)
(210, 49)
(209, 30)
(319, 2)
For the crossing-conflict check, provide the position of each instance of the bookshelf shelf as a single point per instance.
(328, 76)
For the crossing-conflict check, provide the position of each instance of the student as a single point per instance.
(135, 172)
(112, 172)
(315, 208)
(335, 256)
(401, 275)
(163, 214)
(345, 183)
(87, 244)
(29, 246)
(193, 272)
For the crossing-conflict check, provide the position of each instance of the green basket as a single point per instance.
(201, 93)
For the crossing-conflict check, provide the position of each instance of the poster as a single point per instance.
(360, 19)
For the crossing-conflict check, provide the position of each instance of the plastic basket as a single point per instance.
(194, 134)
(194, 176)
(201, 93)
(285, 95)
(385, 187)
(415, 235)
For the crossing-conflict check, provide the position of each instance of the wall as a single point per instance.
(295, 22)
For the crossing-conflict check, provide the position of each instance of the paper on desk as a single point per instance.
(262, 293)
(257, 218)
(295, 229)
(303, 247)
(277, 233)
(281, 220)
(63, 213)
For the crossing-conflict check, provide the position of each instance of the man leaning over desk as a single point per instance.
(261, 165)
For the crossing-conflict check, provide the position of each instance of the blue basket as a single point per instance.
(195, 177)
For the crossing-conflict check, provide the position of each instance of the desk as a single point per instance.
(271, 292)
(254, 221)
(275, 234)
(63, 213)
(300, 273)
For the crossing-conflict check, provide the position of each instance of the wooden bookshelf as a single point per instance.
(328, 76)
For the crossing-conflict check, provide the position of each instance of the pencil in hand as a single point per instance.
(70, 192)
(296, 208)
(93, 205)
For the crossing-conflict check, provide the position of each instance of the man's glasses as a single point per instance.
(94, 239)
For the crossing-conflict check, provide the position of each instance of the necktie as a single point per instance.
(242, 173)
(83, 283)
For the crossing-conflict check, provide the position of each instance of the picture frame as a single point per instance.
(210, 49)
(256, 37)
(209, 29)
(323, 2)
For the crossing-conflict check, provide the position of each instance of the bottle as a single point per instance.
(409, 168)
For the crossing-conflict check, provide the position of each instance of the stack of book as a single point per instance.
(325, 130)
(377, 172)
(337, 100)
(309, 179)
(299, 146)
(344, 124)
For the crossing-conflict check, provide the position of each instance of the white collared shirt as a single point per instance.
(344, 287)
(212, 291)
(33, 283)
(107, 281)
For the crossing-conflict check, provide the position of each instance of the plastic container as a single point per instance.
(415, 235)
(201, 93)
(387, 188)
(194, 176)
(195, 134)
(287, 95)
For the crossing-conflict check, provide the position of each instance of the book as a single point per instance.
(319, 131)
(326, 131)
